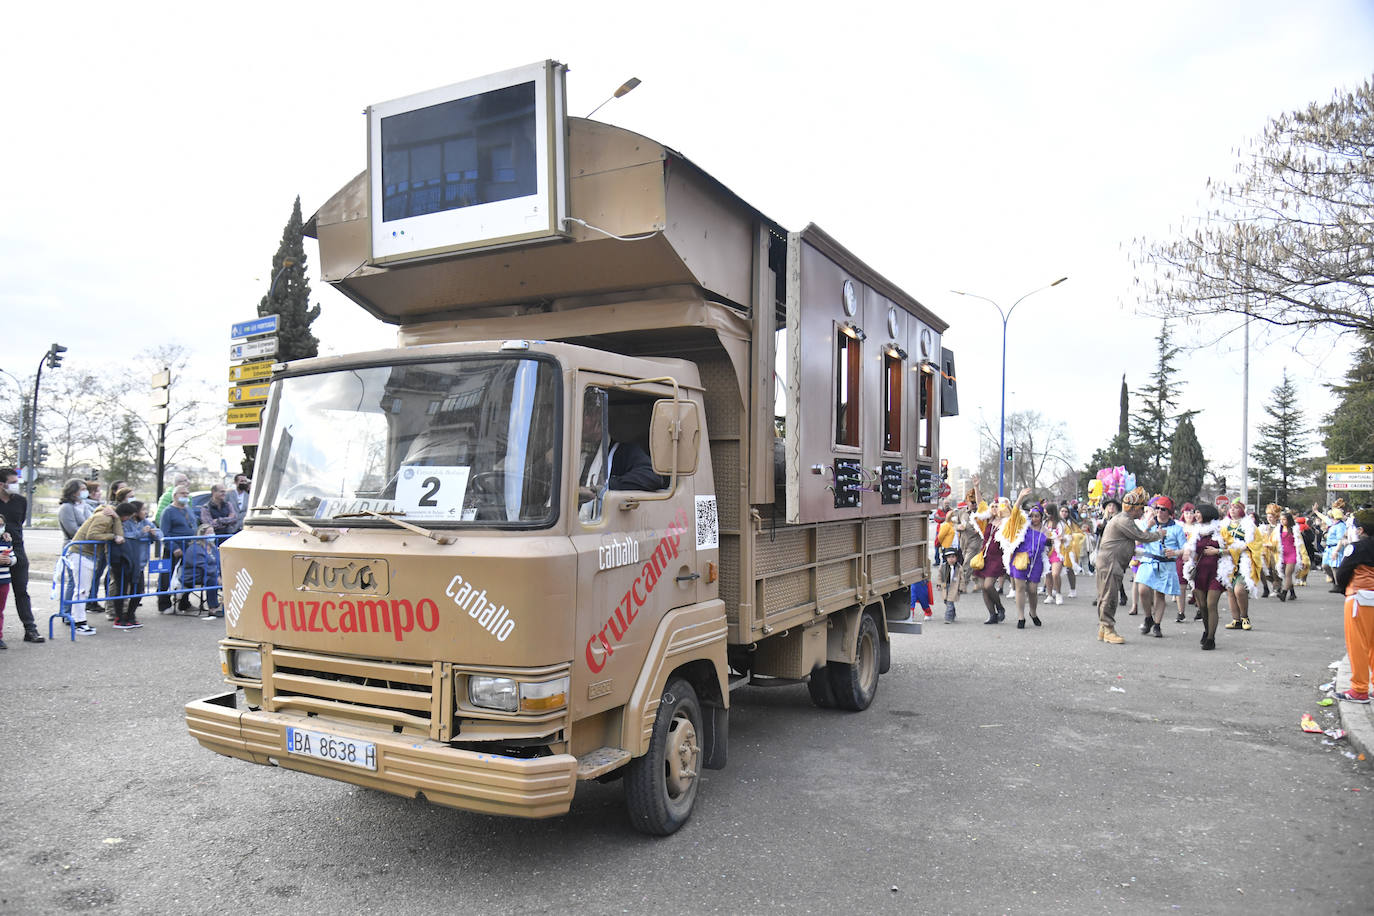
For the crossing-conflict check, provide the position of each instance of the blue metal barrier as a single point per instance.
(65, 581)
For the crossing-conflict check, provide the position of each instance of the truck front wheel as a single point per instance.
(661, 786)
(856, 684)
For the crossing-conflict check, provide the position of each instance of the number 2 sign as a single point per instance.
(431, 492)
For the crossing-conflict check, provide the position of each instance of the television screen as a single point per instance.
(473, 165)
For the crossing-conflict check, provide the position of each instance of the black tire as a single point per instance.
(661, 786)
(856, 685)
(821, 689)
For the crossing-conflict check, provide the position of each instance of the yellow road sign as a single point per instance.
(246, 393)
(245, 415)
(247, 372)
(1350, 469)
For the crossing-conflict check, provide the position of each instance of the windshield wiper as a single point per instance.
(313, 532)
(390, 516)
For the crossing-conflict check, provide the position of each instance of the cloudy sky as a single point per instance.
(153, 152)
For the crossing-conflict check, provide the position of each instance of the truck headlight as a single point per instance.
(494, 692)
(247, 663)
(509, 695)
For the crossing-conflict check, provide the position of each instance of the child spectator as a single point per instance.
(139, 534)
(6, 561)
(102, 527)
(200, 567)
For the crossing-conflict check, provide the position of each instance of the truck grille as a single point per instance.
(403, 695)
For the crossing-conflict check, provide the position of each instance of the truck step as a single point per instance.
(737, 681)
(904, 626)
(601, 761)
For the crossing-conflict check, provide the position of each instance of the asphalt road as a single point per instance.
(998, 771)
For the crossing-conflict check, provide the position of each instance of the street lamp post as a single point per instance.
(1002, 432)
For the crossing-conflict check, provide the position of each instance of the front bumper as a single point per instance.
(472, 781)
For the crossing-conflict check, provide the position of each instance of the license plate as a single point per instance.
(321, 746)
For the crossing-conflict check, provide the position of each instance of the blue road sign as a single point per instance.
(266, 325)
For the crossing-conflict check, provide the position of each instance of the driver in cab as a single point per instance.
(630, 467)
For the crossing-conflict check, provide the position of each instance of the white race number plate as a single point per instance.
(349, 752)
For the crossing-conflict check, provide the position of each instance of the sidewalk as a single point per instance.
(1356, 718)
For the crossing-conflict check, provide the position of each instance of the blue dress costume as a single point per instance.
(1035, 544)
(1156, 570)
(1334, 535)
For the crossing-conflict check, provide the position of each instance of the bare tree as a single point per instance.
(75, 415)
(1288, 238)
(190, 423)
(1040, 457)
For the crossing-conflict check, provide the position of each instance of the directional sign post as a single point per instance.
(161, 398)
(247, 372)
(241, 416)
(244, 394)
(263, 346)
(253, 328)
(1350, 476)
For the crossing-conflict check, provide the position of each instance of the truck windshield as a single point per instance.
(463, 442)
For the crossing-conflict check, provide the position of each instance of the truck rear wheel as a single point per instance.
(820, 688)
(855, 685)
(661, 786)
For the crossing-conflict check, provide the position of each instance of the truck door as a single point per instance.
(636, 555)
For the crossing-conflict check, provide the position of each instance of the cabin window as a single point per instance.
(847, 375)
(892, 402)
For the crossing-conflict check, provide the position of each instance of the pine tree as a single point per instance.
(1348, 433)
(1282, 443)
(1152, 427)
(125, 458)
(1187, 465)
(289, 295)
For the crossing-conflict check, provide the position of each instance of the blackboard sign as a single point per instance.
(892, 482)
(848, 483)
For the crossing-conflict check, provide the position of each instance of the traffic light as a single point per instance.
(1011, 453)
(40, 453)
(925, 484)
(944, 469)
(55, 355)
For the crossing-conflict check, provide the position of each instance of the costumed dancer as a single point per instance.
(1187, 519)
(1292, 556)
(1272, 563)
(1070, 538)
(1119, 538)
(1209, 568)
(1158, 576)
(1139, 593)
(987, 565)
(1355, 576)
(1335, 539)
(970, 537)
(1238, 532)
(1028, 563)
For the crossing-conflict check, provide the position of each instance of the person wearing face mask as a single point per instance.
(72, 512)
(72, 509)
(176, 521)
(165, 500)
(13, 508)
(239, 497)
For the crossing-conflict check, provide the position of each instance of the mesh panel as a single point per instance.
(836, 578)
(837, 539)
(725, 464)
(729, 575)
(786, 592)
(882, 566)
(785, 548)
(880, 533)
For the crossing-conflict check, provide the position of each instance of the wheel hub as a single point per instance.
(681, 757)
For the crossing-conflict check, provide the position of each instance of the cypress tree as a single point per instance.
(1187, 465)
(288, 297)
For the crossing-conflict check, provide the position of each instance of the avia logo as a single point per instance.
(233, 607)
(602, 644)
(342, 575)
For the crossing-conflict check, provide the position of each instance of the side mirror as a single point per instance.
(675, 433)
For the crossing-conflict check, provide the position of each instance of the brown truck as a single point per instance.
(635, 445)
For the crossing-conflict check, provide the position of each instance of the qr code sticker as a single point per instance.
(708, 528)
